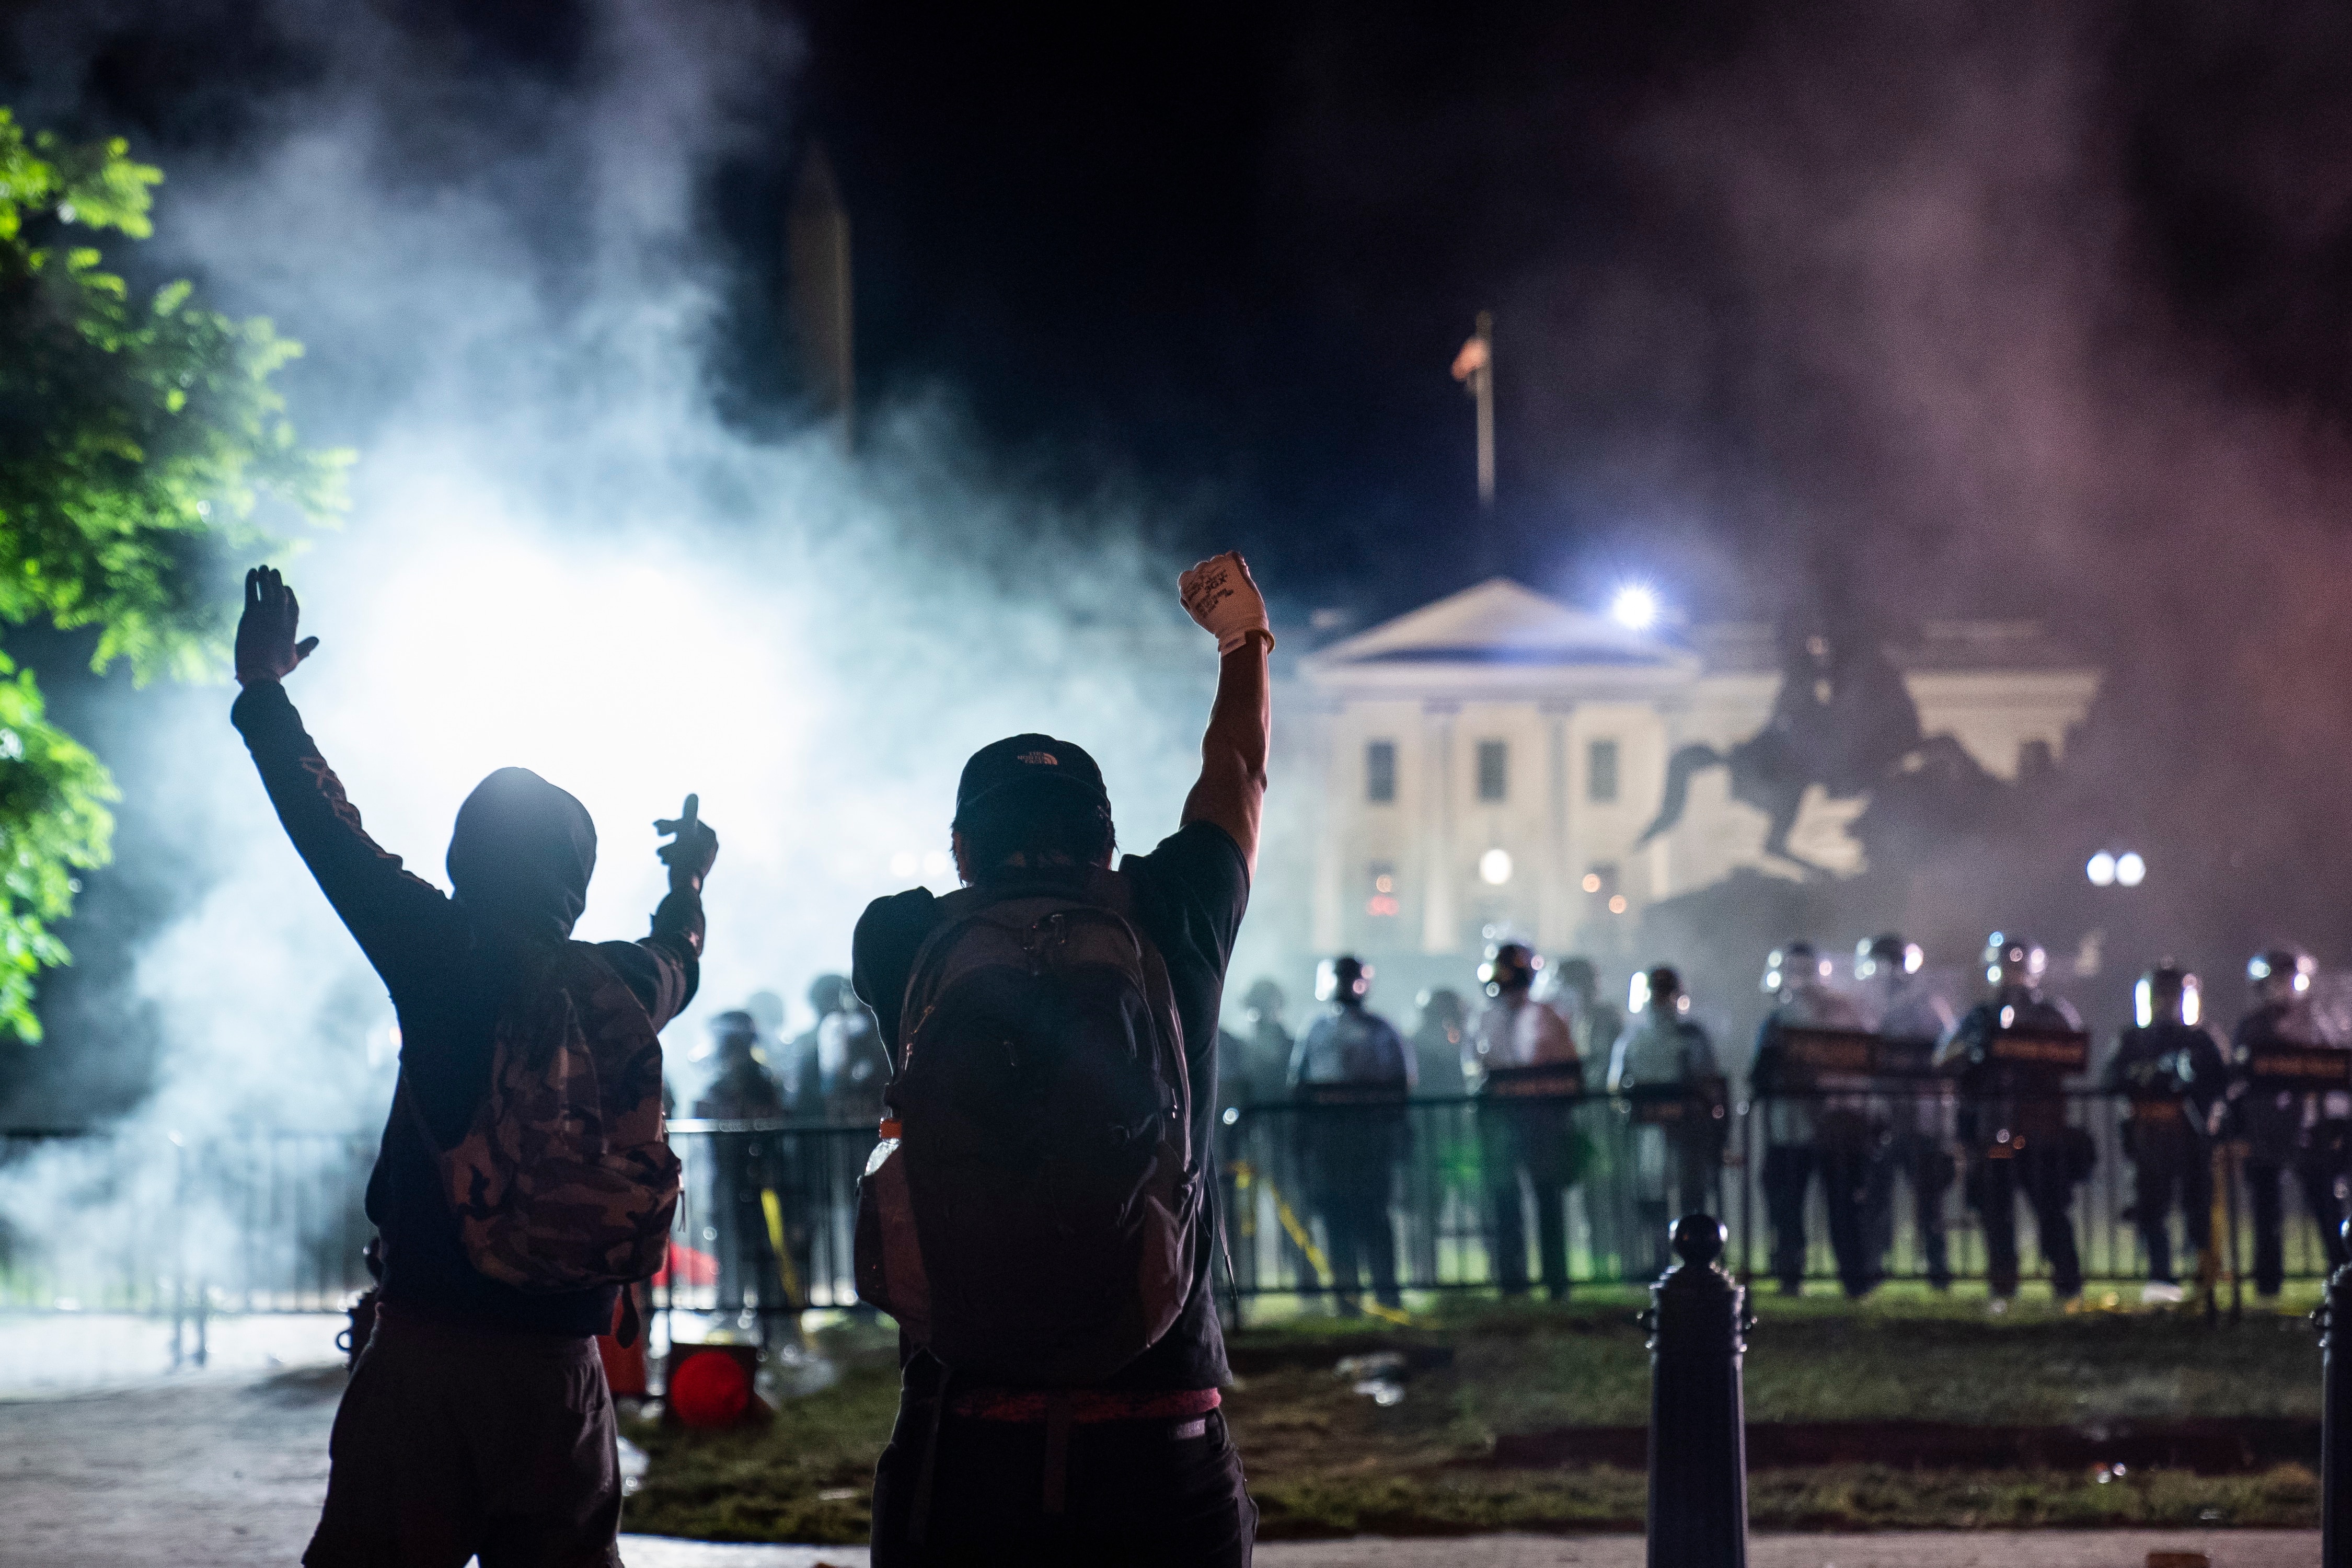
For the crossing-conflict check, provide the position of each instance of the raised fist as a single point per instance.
(1220, 595)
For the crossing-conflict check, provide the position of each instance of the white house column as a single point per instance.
(1441, 925)
(1555, 916)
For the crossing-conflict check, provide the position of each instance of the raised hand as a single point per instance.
(692, 847)
(266, 648)
(1220, 595)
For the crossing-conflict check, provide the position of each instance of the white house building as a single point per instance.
(1486, 764)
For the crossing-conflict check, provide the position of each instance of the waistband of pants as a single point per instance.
(405, 1320)
(1088, 1406)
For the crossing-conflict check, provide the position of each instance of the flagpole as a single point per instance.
(1482, 384)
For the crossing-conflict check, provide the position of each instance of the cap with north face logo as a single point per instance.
(1029, 761)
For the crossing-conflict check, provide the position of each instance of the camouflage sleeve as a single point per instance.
(398, 918)
(673, 972)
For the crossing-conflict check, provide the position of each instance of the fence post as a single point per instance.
(2335, 1320)
(1698, 1321)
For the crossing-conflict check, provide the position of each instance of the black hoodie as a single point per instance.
(519, 859)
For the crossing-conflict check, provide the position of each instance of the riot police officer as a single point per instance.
(1813, 1123)
(1270, 1044)
(803, 1065)
(2171, 1068)
(2013, 1118)
(2287, 1130)
(1351, 1074)
(1523, 1059)
(1909, 1018)
(742, 1091)
(1577, 998)
(1437, 1040)
(1665, 1067)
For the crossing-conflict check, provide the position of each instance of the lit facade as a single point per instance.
(1489, 761)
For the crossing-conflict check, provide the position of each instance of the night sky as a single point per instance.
(1223, 257)
(1974, 310)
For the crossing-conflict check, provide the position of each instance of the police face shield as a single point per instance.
(2281, 974)
(1795, 964)
(1661, 986)
(2013, 962)
(1343, 979)
(1886, 959)
(2167, 997)
(1510, 967)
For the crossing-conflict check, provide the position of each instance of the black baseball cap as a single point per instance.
(1025, 763)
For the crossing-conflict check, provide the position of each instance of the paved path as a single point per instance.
(224, 1468)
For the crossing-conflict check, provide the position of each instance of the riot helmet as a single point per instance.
(2012, 960)
(1345, 980)
(2281, 974)
(1512, 967)
(1661, 985)
(735, 1036)
(2168, 994)
(1263, 1001)
(1444, 1008)
(831, 994)
(1797, 963)
(1887, 956)
(767, 1010)
(1576, 975)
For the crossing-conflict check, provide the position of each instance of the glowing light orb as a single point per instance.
(1634, 607)
(1494, 867)
(2130, 869)
(2101, 870)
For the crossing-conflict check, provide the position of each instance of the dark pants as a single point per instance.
(450, 1444)
(2042, 1177)
(747, 1276)
(1787, 1174)
(1351, 1152)
(1149, 1494)
(2318, 1185)
(1846, 1167)
(1358, 1239)
(2170, 1165)
(1531, 1135)
(1845, 1171)
(1927, 1166)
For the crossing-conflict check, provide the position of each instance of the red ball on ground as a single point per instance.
(710, 1389)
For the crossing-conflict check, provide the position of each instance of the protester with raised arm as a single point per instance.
(524, 1176)
(1039, 1217)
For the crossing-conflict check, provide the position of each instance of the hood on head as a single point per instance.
(521, 854)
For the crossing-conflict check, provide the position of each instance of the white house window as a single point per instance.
(1379, 772)
(1600, 772)
(1494, 769)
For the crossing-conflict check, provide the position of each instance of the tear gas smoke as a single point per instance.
(560, 556)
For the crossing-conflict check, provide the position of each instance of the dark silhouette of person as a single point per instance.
(1352, 1075)
(743, 1170)
(477, 1420)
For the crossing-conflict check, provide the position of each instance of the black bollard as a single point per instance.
(1698, 1324)
(2335, 1320)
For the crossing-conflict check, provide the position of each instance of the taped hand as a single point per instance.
(1220, 595)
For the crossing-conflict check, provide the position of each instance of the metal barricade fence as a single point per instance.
(1441, 1194)
(264, 1221)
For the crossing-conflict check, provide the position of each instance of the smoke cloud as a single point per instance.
(563, 557)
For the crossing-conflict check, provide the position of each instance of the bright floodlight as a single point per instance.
(1635, 606)
(2101, 870)
(1495, 867)
(2130, 869)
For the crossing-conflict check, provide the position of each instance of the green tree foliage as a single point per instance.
(140, 440)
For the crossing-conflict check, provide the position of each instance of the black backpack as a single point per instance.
(1031, 1214)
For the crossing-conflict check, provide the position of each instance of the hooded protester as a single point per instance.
(746, 1172)
(476, 1421)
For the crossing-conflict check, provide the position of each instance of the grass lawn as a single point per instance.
(1325, 1460)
